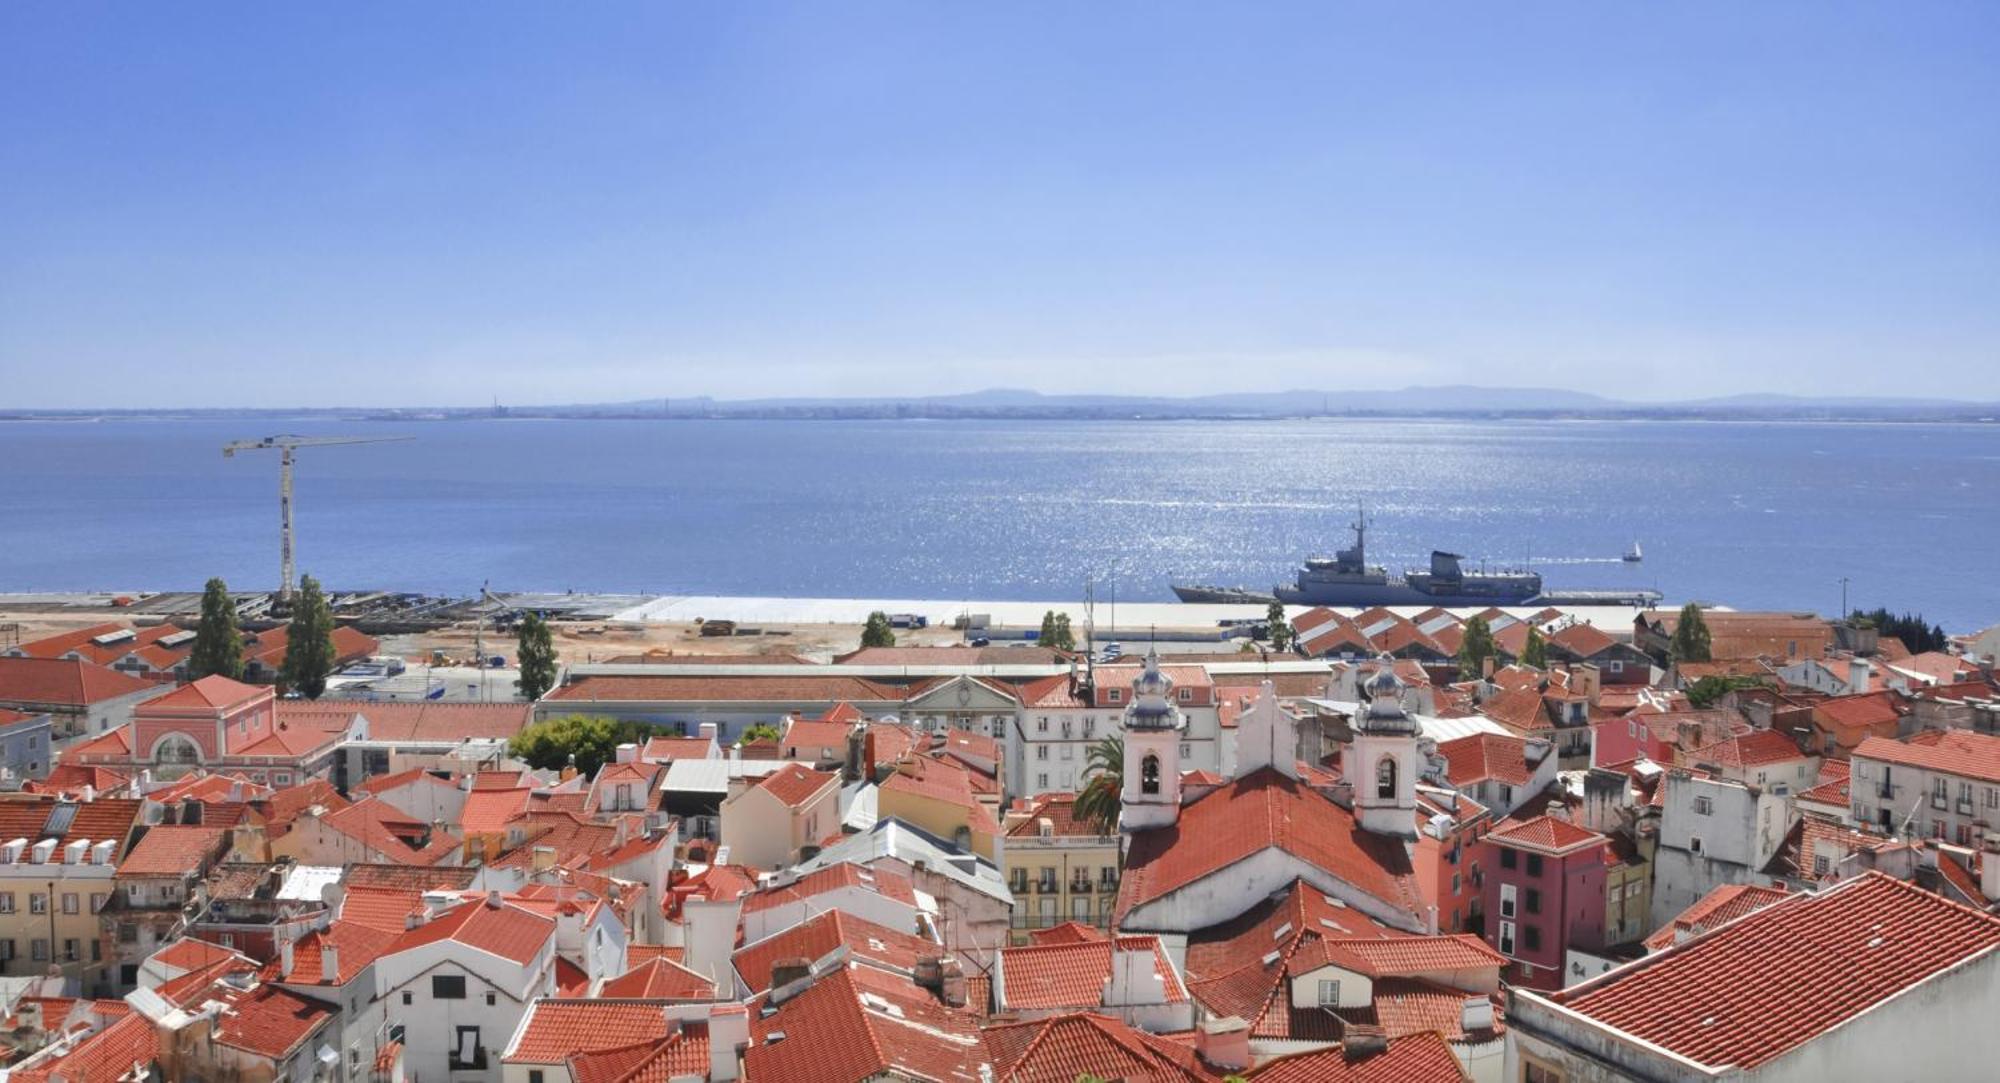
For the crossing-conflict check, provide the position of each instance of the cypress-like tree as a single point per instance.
(1474, 648)
(1535, 652)
(878, 632)
(1047, 636)
(1691, 641)
(308, 642)
(536, 651)
(1277, 627)
(218, 643)
(1063, 639)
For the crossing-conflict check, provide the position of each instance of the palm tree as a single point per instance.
(1098, 802)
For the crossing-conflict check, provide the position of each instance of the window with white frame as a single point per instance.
(1329, 992)
(1507, 900)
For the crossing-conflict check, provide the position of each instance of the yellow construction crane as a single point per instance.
(287, 445)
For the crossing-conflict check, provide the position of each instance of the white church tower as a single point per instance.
(1381, 761)
(1153, 732)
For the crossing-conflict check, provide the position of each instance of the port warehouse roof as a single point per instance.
(886, 686)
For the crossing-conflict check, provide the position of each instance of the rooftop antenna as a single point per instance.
(287, 446)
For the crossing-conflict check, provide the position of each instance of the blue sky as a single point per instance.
(406, 204)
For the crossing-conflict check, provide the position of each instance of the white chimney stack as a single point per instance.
(728, 1033)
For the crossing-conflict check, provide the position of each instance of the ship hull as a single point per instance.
(1221, 595)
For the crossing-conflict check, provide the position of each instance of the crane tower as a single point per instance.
(286, 446)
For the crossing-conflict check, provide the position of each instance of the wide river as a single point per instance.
(1751, 515)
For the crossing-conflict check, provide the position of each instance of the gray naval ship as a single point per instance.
(1347, 579)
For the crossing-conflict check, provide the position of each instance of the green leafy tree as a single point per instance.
(218, 643)
(1535, 652)
(1062, 638)
(1911, 628)
(1278, 628)
(536, 649)
(762, 731)
(1474, 648)
(1099, 801)
(1705, 693)
(309, 653)
(1047, 636)
(1691, 639)
(877, 632)
(592, 739)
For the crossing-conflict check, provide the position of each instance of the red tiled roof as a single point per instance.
(1581, 640)
(1722, 905)
(508, 931)
(271, 1022)
(413, 720)
(1062, 1048)
(1419, 1058)
(1265, 810)
(845, 874)
(1069, 932)
(677, 748)
(488, 812)
(62, 682)
(29, 817)
(1758, 748)
(1545, 833)
(1060, 811)
(795, 784)
(356, 945)
(1860, 712)
(173, 850)
(857, 1023)
(1769, 982)
(1400, 1007)
(557, 1028)
(740, 688)
(1962, 753)
(815, 736)
(1482, 756)
(214, 692)
(378, 825)
(667, 1060)
(188, 953)
(659, 978)
(107, 1054)
(818, 936)
(1058, 977)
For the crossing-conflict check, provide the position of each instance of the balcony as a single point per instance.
(1046, 887)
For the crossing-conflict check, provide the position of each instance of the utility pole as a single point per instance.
(287, 446)
(1843, 598)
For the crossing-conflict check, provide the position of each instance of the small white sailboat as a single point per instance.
(1633, 555)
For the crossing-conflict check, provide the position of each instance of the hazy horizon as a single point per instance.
(381, 206)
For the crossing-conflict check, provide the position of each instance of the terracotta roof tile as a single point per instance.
(818, 936)
(1545, 833)
(857, 1023)
(1071, 977)
(1482, 756)
(271, 1022)
(1962, 753)
(1062, 1048)
(174, 850)
(64, 683)
(1769, 982)
(794, 784)
(1718, 907)
(884, 882)
(508, 930)
(659, 978)
(1265, 810)
(1419, 1058)
(557, 1028)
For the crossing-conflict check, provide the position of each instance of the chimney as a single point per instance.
(493, 899)
(1476, 1014)
(1134, 977)
(1361, 1042)
(545, 858)
(1486, 669)
(1224, 1043)
(1558, 811)
(708, 730)
(951, 983)
(628, 753)
(728, 1033)
(1859, 672)
(1989, 866)
(285, 960)
(736, 754)
(329, 961)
